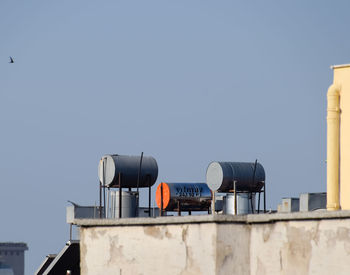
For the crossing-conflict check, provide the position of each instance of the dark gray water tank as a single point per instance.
(128, 166)
(221, 175)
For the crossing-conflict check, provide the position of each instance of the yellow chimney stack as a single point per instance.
(338, 140)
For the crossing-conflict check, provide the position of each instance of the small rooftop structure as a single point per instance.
(12, 256)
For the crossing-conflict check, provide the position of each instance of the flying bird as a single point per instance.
(11, 60)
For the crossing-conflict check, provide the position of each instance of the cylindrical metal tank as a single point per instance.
(191, 196)
(128, 204)
(221, 176)
(244, 203)
(111, 165)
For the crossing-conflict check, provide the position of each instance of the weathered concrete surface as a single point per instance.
(296, 243)
(301, 247)
(232, 249)
(180, 249)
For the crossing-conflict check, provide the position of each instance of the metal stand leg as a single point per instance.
(137, 203)
(264, 197)
(104, 188)
(235, 194)
(251, 202)
(107, 214)
(104, 201)
(120, 195)
(178, 208)
(161, 199)
(149, 198)
(100, 201)
(213, 204)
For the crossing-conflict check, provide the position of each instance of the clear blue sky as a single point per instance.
(188, 82)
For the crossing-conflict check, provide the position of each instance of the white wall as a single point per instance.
(203, 246)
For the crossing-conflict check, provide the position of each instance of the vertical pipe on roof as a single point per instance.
(333, 147)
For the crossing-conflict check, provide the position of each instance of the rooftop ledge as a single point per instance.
(240, 219)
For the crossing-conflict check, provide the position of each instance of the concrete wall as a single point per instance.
(297, 243)
(301, 247)
(148, 249)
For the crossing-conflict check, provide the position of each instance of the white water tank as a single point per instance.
(128, 204)
(245, 201)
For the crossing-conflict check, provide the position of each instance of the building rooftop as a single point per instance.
(13, 245)
(242, 219)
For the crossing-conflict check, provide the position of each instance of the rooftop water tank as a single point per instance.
(248, 176)
(128, 205)
(245, 204)
(191, 196)
(128, 166)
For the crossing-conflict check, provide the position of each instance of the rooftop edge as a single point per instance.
(241, 219)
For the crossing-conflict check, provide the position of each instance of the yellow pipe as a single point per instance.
(333, 147)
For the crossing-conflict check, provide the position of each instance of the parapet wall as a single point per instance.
(297, 243)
